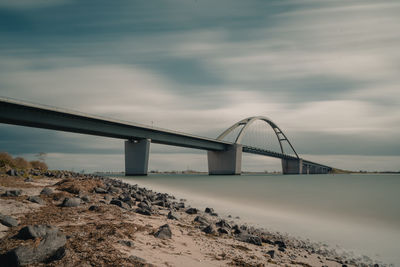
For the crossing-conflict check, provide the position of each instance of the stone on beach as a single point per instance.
(47, 191)
(50, 248)
(223, 230)
(12, 193)
(35, 231)
(36, 199)
(209, 210)
(120, 204)
(223, 223)
(172, 215)
(251, 239)
(210, 229)
(280, 244)
(128, 243)
(8, 221)
(191, 211)
(71, 202)
(202, 220)
(11, 172)
(164, 232)
(143, 211)
(271, 253)
(100, 190)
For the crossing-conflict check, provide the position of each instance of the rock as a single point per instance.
(223, 223)
(223, 230)
(164, 232)
(282, 249)
(280, 244)
(180, 205)
(50, 248)
(143, 211)
(85, 198)
(113, 189)
(8, 221)
(209, 210)
(120, 204)
(71, 202)
(35, 231)
(271, 253)
(266, 240)
(237, 230)
(94, 208)
(12, 193)
(144, 205)
(160, 203)
(173, 216)
(251, 239)
(11, 172)
(214, 214)
(128, 200)
(36, 199)
(191, 211)
(100, 190)
(28, 180)
(210, 229)
(47, 191)
(137, 259)
(202, 220)
(128, 243)
(107, 197)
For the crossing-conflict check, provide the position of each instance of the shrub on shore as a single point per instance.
(6, 160)
(37, 164)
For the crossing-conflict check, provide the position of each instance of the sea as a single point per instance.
(358, 213)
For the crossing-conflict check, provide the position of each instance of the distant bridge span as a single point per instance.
(223, 157)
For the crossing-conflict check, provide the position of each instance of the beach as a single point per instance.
(106, 222)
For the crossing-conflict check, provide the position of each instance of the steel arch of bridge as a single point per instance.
(247, 122)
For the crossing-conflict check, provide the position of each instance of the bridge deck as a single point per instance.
(41, 116)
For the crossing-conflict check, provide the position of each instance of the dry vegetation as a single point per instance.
(6, 160)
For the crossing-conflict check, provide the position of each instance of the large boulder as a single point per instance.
(50, 248)
(8, 221)
(35, 231)
(164, 232)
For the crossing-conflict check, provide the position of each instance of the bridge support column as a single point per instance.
(292, 166)
(136, 157)
(227, 162)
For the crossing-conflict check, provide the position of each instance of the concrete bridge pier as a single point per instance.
(137, 157)
(292, 166)
(228, 162)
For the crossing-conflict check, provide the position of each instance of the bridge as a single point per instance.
(224, 157)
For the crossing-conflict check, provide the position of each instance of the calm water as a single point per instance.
(360, 213)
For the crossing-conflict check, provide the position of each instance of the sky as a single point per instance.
(326, 72)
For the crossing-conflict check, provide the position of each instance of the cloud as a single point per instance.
(325, 72)
(25, 4)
